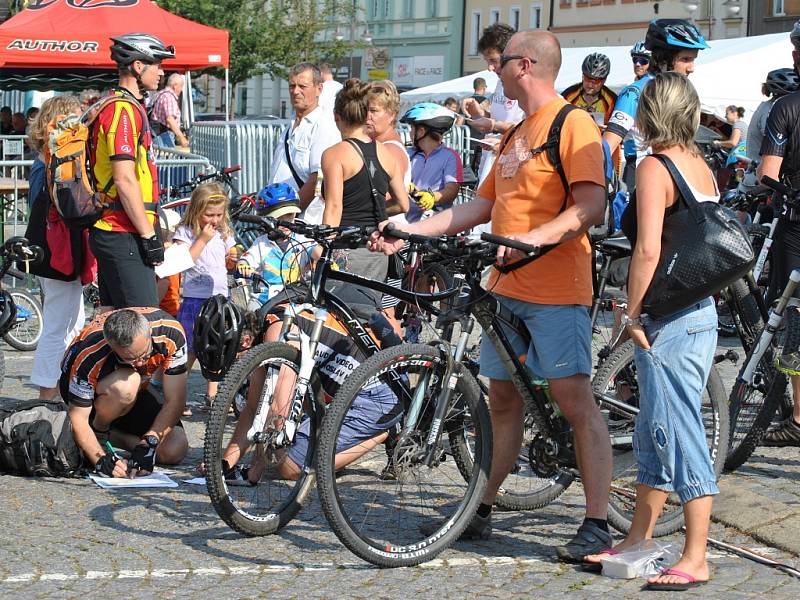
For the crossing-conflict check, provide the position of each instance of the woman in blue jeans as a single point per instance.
(673, 354)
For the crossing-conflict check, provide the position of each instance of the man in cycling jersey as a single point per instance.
(124, 239)
(104, 381)
(371, 418)
(640, 56)
(674, 44)
(780, 159)
(591, 94)
(523, 196)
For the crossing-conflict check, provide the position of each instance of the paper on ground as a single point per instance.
(176, 260)
(195, 481)
(154, 480)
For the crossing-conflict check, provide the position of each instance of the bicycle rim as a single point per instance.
(407, 516)
(266, 507)
(616, 388)
(28, 329)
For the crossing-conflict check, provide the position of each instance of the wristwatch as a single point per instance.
(628, 320)
(151, 440)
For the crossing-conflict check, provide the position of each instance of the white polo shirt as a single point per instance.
(316, 133)
(328, 95)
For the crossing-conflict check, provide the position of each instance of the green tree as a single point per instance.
(269, 36)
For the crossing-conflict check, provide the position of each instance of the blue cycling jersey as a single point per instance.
(623, 117)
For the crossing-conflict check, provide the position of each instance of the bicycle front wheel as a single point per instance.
(401, 503)
(25, 334)
(281, 476)
(616, 389)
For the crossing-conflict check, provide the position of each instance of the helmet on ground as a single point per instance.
(794, 37)
(673, 34)
(431, 115)
(640, 50)
(8, 312)
(139, 46)
(596, 66)
(276, 200)
(782, 81)
(217, 334)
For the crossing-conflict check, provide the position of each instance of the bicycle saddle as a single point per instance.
(616, 246)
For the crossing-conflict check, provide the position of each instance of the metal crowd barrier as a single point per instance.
(252, 145)
(175, 166)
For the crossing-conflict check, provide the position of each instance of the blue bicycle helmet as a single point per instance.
(673, 34)
(640, 50)
(430, 115)
(276, 200)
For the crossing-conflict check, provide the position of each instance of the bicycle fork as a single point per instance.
(775, 320)
(308, 347)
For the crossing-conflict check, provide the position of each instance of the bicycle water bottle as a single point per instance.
(544, 386)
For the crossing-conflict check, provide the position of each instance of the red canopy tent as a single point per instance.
(64, 44)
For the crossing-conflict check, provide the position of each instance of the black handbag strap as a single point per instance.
(376, 209)
(300, 182)
(683, 188)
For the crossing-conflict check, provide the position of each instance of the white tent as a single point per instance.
(730, 72)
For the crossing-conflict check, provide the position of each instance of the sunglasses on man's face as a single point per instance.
(507, 58)
(641, 60)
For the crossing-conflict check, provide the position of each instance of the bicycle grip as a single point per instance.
(233, 169)
(501, 241)
(776, 185)
(255, 219)
(392, 230)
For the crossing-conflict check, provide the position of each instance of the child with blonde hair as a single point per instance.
(206, 229)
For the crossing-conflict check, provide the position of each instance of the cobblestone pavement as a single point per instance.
(70, 539)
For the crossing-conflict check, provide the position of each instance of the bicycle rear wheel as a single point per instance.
(30, 321)
(409, 513)
(616, 389)
(263, 508)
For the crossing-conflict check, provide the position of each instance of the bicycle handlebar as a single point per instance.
(442, 242)
(319, 233)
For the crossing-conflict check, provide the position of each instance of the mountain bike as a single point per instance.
(760, 389)
(547, 464)
(276, 432)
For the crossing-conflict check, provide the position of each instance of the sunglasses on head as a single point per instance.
(641, 60)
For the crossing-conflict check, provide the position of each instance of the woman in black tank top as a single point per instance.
(350, 166)
(357, 173)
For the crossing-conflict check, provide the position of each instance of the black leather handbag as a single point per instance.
(704, 249)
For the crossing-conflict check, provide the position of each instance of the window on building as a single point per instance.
(374, 7)
(433, 8)
(494, 16)
(536, 16)
(778, 8)
(513, 17)
(408, 9)
(387, 9)
(475, 30)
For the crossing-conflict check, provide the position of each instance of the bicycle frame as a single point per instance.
(775, 319)
(762, 255)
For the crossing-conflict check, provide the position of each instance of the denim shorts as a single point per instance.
(374, 411)
(561, 341)
(670, 439)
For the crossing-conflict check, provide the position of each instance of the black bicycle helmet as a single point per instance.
(139, 46)
(596, 66)
(782, 81)
(640, 50)
(433, 116)
(217, 334)
(8, 312)
(673, 34)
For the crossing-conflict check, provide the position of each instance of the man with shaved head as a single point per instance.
(525, 198)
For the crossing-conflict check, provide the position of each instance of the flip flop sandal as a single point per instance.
(691, 582)
(597, 567)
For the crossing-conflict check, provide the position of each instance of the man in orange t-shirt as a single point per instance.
(523, 196)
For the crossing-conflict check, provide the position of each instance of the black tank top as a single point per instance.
(359, 207)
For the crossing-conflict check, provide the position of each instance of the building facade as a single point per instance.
(585, 23)
(772, 16)
(479, 14)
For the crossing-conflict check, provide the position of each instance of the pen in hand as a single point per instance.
(116, 456)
